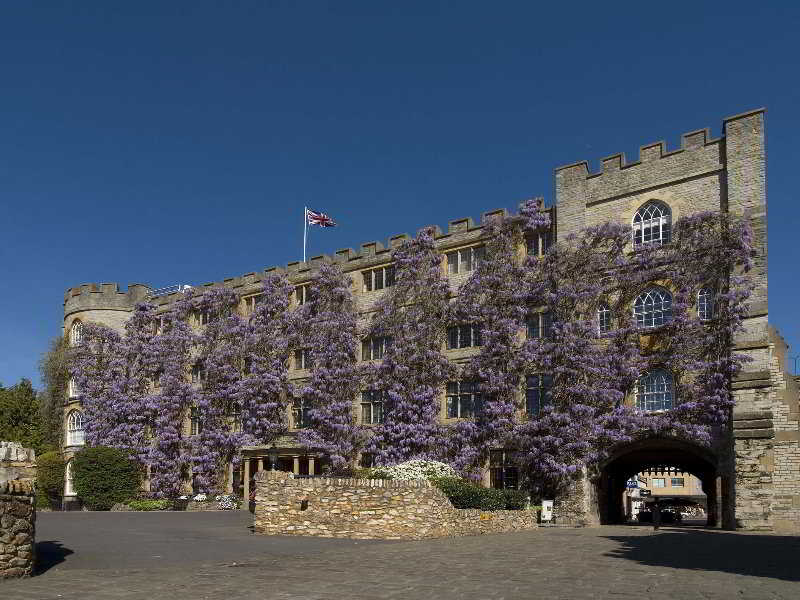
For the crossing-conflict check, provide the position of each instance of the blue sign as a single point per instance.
(632, 484)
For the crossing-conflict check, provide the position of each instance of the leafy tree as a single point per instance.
(54, 371)
(19, 416)
(50, 477)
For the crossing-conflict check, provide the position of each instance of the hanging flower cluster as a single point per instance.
(414, 369)
(577, 375)
(327, 324)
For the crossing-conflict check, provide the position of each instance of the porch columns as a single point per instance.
(229, 483)
(296, 465)
(261, 464)
(311, 466)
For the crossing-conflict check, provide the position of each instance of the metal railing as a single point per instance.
(170, 289)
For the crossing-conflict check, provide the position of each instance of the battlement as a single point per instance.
(372, 253)
(698, 155)
(103, 296)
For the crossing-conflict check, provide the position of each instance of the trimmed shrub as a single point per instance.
(516, 499)
(49, 480)
(465, 494)
(104, 476)
(149, 504)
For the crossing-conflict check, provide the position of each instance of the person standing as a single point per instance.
(656, 515)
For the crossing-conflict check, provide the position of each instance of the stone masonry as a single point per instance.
(370, 508)
(756, 461)
(17, 511)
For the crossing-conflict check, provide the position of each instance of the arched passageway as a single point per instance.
(657, 455)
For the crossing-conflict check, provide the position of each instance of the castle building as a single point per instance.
(751, 477)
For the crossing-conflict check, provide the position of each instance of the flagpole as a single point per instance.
(305, 231)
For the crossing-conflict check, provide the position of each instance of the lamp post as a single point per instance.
(273, 457)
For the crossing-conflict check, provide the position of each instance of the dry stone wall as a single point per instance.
(370, 508)
(17, 511)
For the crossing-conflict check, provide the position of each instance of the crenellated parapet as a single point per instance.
(103, 296)
(459, 232)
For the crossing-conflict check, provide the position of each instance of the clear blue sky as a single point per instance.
(177, 142)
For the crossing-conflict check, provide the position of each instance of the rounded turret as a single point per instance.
(102, 303)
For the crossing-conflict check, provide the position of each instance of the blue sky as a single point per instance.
(177, 142)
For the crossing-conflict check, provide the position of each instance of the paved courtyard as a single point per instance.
(214, 555)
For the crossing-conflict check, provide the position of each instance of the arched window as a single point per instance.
(603, 319)
(69, 482)
(705, 304)
(72, 388)
(652, 224)
(75, 333)
(75, 433)
(653, 308)
(654, 391)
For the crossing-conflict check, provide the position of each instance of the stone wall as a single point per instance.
(17, 511)
(370, 508)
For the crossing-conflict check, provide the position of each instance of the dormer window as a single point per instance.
(652, 224)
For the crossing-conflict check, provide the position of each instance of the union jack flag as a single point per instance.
(318, 218)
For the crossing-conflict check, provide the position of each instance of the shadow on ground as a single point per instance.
(697, 550)
(49, 554)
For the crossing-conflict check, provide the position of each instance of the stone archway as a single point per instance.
(654, 453)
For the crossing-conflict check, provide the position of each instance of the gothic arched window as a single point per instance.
(652, 224)
(655, 391)
(75, 333)
(705, 304)
(75, 433)
(653, 308)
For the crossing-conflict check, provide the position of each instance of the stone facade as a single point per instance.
(17, 511)
(754, 467)
(370, 508)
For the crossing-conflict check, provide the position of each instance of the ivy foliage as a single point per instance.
(50, 469)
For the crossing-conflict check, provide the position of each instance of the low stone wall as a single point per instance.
(370, 508)
(17, 511)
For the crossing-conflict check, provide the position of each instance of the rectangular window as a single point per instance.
(677, 482)
(235, 418)
(503, 470)
(367, 460)
(300, 416)
(537, 244)
(303, 359)
(373, 348)
(537, 393)
(540, 325)
(657, 483)
(302, 294)
(196, 424)
(464, 401)
(204, 317)
(372, 407)
(465, 260)
(198, 372)
(378, 279)
(463, 336)
(251, 302)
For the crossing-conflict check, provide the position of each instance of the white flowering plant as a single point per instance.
(415, 469)
(200, 498)
(228, 502)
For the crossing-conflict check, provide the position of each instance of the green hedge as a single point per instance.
(49, 480)
(149, 504)
(104, 476)
(465, 494)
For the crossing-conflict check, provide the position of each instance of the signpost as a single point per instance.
(547, 510)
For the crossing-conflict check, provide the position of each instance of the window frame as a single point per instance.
(195, 421)
(302, 294)
(604, 319)
(465, 335)
(76, 428)
(538, 243)
(705, 304)
(654, 317)
(471, 257)
(649, 215)
(252, 302)
(464, 399)
(543, 387)
(75, 332)
(374, 347)
(667, 400)
(674, 479)
(539, 325)
(370, 278)
(303, 359)
(503, 471)
(370, 400)
(300, 408)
